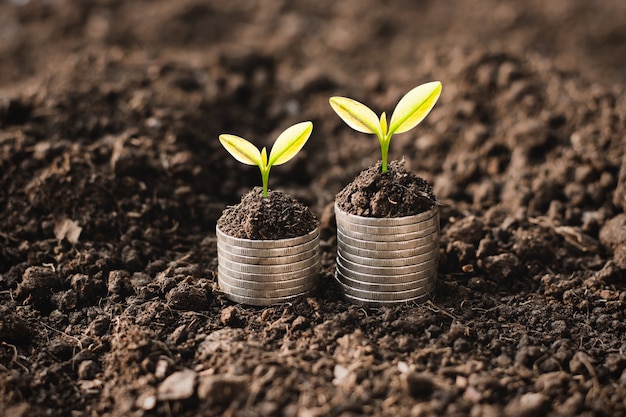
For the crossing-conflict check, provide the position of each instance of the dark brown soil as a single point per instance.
(112, 179)
(277, 216)
(395, 193)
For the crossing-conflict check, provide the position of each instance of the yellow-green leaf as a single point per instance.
(289, 143)
(414, 107)
(241, 149)
(356, 115)
(383, 124)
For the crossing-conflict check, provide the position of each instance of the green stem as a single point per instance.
(384, 150)
(265, 176)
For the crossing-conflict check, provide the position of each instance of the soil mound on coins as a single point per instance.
(395, 193)
(277, 216)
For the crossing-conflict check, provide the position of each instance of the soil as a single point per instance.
(277, 216)
(112, 180)
(395, 193)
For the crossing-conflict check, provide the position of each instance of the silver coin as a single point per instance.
(382, 279)
(274, 260)
(399, 244)
(386, 250)
(389, 237)
(278, 284)
(386, 221)
(246, 292)
(387, 270)
(378, 303)
(373, 226)
(268, 269)
(409, 260)
(388, 254)
(387, 296)
(266, 244)
(264, 302)
(268, 252)
(424, 227)
(368, 286)
(248, 276)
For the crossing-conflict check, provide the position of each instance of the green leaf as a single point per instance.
(289, 143)
(383, 124)
(356, 115)
(241, 149)
(414, 107)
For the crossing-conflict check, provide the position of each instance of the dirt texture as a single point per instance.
(395, 193)
(112, 179)
(276, 216)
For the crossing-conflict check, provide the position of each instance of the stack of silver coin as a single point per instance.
(387, 260)
(266, 272)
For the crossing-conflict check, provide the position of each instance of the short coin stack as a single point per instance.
(387, 260)
(266, 272)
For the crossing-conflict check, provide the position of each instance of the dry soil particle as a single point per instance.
(613, 236)
(37, 284)
(395, 193)
(277, 216)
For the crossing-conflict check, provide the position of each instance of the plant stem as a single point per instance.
(265, 175)
(384, 150)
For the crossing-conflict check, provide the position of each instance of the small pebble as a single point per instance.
(528, 405)
(146, 400)
(230, 316)
(178, 386)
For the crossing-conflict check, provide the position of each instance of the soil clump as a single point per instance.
(276, 216)
(395, 193)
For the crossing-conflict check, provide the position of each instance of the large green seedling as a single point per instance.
(409, 112)
(286, 146)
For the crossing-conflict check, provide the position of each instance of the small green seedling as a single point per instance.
(409, 112)
(286, 146)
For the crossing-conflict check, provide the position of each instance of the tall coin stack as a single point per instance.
(387, 260)
(266, 272)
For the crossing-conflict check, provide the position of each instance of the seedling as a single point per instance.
(409, 112)
(286, 146)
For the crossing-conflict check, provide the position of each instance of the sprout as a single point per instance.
(286, 146)
(409, 112)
